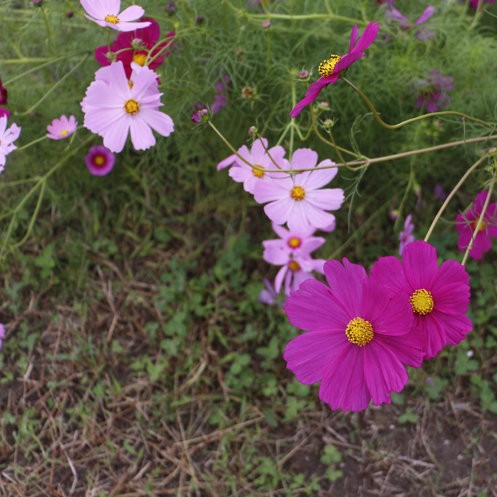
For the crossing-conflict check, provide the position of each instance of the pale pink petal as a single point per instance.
(321, 177)
(268, 191)
(128, 26)
(131, 14)
(116, 135)
(158, 121)
(141, 135)
(278, 210)
(278, 281)
(326, 199)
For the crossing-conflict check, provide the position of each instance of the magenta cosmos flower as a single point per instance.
(136, 46)
(466, 225)
(259, 155)
(404, 23)
(330, 69)
(2, 334)
(106, 14)
(4, 112)
(3, 94)
(432, 91)
(292, 251)
(99, 160)
(300, 200)
(62, 127)
(439, 296)
(115, 107)
(7, 138)
(358, 338)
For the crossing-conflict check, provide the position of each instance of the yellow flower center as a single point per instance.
(297, 193)
(421, 302)
(64, 132)
(359, 332)
(326, 67)
(257, 172)
(112, 19)
(482, 225)
(294, 242)
(99, 160)
(294, 266)
(132, 107)
(140, 58)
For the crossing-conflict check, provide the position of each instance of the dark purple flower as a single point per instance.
(433, 90)
(479, 3)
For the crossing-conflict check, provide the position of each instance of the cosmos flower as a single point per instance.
(136, 46)
(439, 295)
(300, 200)
(259, 155)
(106, 14)
(62, 127)
(2, 334)
(331, 68)
(7, 138)
(466, 225)
(432, 91)
(406, 235)
(115, 107)
(268, 295)
(404, 23)
(99, 160)
(358, 338)
(292, 251)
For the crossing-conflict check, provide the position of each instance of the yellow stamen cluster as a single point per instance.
(294, 266)
(482, 225)
(297, 193)
(294, 242)
(326, 67)
(257, 172)
(359, 332)
(112, 19)
(64, 132)
(132, 107)
(98, 160)
(140, 58)
(421, 302)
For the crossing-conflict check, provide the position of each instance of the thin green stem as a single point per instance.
(382, 123)
(480, 219)
(451, 195)
(31, 143)
(54, 87)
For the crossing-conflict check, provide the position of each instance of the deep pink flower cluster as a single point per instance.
(3, 100)
(362, 331)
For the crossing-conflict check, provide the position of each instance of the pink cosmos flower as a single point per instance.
(99, 160)
(331, 68)
(106, 14)
(2, 334)
(358, 338)
(258, 155)
(406, 235)
(268, 295)
(135, 46)
(7, 138)
(433, 90)
(466, 225)
(292, 251)
(476, 3)
(115, 107)
(62, 127)
(439, 296)
(300, 200)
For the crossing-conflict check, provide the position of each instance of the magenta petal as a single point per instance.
(311, 95)
(313, 308)
(353, 37)
(420, 264)
(383, 371)
(389, 272)
(309, 355)
(367, 38)
(427, 13)
(456, 327)
(433, 334)
(408, 348)
(451, 289)
(343, 385)
(346, 283)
